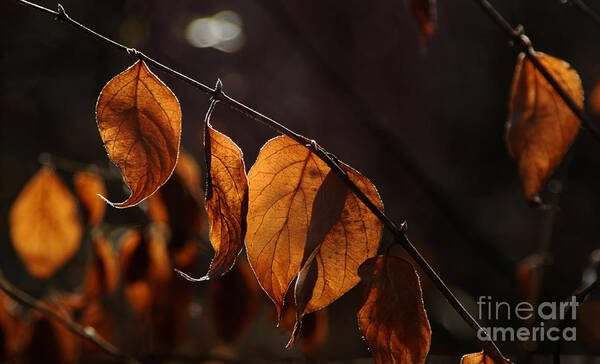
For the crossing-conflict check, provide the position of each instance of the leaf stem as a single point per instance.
(519, 38)
(217, 94)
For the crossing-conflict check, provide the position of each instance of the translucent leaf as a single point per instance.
(391, 315)
(296, 215)
(139, 120)
(540, 126)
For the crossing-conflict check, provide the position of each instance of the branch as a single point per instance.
(519, 38)
(367, 117)
(585, 9)
(217, 94)
(87, 332)
(67, 165)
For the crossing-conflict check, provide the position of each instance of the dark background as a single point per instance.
(425, 124)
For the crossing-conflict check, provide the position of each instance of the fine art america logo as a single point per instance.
(491, 311)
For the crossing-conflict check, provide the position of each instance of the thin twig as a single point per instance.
(67, 165)
(87, 332)
(585, 9)
(217, 94)
(520, 39)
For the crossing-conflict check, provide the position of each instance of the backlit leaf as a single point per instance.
(540, 126)
(424, 12)
(44, 224)
(139, 120)
(481, 358)
(296, 214)
(226, 199)
(87, 187)
(331, 270)
(391, 315)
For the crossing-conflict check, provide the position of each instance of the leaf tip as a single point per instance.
(295, 333)
(190, 278)
(106, 200)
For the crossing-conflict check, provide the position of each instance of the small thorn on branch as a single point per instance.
(61, 14)
(133, 52)
(404, 227)
(217, 93)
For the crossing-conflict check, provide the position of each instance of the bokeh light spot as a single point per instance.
(222, 31)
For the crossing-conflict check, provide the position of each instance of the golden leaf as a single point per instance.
(331, 270)
(44, 224)
(391, 315)
(296, 215)
(139, 120)
(226, 200)
(540, 126)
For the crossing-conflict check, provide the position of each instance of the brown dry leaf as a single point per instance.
(44, 224)
(424, 12)
(139, 120)
(540, 126)
(179, 202)
(302, 216)
(332, 268)
(235, 299)
(226, 199)
(88, 187)
(103, 274)
(391, 315)
(481, 358)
